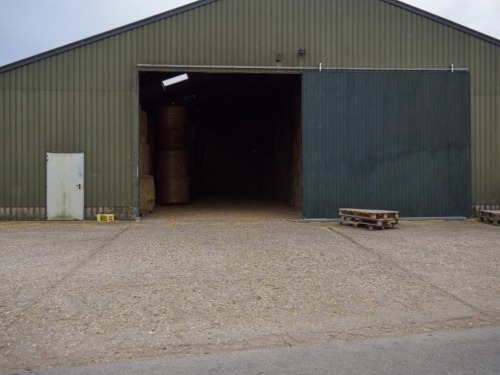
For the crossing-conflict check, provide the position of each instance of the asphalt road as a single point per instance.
(467, 352)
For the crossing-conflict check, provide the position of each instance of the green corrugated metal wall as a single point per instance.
(386, 140)
(85, 99)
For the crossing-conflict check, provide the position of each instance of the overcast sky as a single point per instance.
(29, 27)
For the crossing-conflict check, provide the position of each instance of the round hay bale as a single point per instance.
(171, 117)
(172, 164)
(144, 160)
(172, 190)
(147, 194)
(143, 127)
(171, 139)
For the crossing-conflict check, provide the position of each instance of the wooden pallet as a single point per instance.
(371, 219)
(490, 216)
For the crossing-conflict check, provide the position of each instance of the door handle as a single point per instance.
(79, 186)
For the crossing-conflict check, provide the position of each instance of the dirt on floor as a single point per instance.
(233, 277)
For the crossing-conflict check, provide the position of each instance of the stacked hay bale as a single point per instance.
(147, 197)
(172, 156)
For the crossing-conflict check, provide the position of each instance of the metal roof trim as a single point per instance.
(444, 21)
(104, 35)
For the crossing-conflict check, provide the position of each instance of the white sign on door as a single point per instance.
(65, 186)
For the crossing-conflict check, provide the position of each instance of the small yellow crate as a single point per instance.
(105, 217)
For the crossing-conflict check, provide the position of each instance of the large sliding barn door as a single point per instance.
(386, 140)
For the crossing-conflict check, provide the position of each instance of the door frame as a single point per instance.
(77, 195)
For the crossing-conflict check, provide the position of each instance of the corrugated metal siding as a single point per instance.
(68, 104)
(85, 99)
(395, 141)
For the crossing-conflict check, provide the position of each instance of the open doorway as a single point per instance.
(241, 138)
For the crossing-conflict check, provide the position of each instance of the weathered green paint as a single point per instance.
(394, 141)
(84, 99)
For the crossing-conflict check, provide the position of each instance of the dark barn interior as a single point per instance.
(243, 132)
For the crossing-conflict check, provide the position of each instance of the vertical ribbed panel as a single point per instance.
(394, 141)
(85, 100)
(73, 102)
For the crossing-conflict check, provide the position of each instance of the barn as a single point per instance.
(318, 104)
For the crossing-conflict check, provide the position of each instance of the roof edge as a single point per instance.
(199, 3)
(444, 21)
(104, 35)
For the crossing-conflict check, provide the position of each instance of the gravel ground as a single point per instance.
(203, 280)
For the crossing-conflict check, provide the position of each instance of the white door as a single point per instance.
(64, 186)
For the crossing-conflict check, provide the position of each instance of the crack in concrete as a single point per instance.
(71, 272)
(388, 260)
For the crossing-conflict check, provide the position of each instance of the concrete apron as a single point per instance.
(83, 293)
